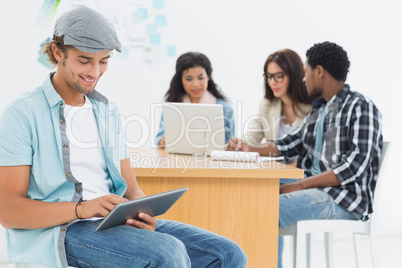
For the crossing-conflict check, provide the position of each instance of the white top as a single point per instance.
(88, 164)
(285, 129)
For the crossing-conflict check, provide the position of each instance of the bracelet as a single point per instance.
(79, 204)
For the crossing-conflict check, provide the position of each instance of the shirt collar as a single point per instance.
(340, 97)
(95, 95)
(53, 98)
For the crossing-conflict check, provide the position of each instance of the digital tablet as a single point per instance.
(153, 205)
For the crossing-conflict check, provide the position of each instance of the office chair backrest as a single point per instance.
(381, 171)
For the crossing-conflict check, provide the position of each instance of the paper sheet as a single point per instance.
(235, 156)
(242, 156)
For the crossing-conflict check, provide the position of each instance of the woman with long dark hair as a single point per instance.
(193, 83)
(285, 103)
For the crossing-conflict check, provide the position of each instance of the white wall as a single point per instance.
(237, 36)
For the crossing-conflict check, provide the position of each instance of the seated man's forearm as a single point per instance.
(266, 149)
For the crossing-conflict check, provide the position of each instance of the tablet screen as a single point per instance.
(153, 205)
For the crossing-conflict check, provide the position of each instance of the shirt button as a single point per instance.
(63, 230)
(61, 104)
(78, 190)
(62, 121)
(68, 174)
(65, 146)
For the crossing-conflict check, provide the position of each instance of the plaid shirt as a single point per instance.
(351, 148)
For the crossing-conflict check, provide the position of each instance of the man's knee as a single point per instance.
(170, 252)
(233, 256)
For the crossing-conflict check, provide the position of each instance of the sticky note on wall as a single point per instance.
(159, 4)
(144, 13)
(171, 51)
(155, 39)
(161, 20)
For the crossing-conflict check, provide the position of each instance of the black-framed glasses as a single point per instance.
(278, 77)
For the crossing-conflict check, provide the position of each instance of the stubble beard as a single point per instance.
(314, 94)
(76, 85)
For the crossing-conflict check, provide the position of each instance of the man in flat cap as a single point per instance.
(64, 164)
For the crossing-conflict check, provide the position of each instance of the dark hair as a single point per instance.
(184, 62)
(331, 57)
(291, 63)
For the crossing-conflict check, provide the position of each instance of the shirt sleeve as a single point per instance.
(365, 137)
(260, 126)
(290, 145)
(228, 121)
(15, 139)
(254, 134)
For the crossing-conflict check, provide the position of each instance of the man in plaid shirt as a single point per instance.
(338, 145)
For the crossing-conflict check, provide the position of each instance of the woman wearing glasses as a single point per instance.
(285, 103)
(193, 83)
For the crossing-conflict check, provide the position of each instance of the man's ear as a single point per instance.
(57, 53)
(319, 71)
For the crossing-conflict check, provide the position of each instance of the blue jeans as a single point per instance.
(173, 244)
(308, 205)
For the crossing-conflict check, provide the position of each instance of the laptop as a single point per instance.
(193, 127)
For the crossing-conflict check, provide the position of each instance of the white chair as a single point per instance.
(301, 231)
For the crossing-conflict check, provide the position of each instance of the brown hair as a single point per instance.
(291, 63)
(47, 50)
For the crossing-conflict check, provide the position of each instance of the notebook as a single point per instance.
(193, 127)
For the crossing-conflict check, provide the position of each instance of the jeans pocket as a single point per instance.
(77, 263)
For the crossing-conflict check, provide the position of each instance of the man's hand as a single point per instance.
(99, 207)
(162, 143)
(147, 222)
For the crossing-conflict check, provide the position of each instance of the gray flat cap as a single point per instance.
(87, 30)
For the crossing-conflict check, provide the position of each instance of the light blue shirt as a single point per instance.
(228, 121)
(319, 136)
(32, 132)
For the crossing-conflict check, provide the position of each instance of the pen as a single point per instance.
(230, 137)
